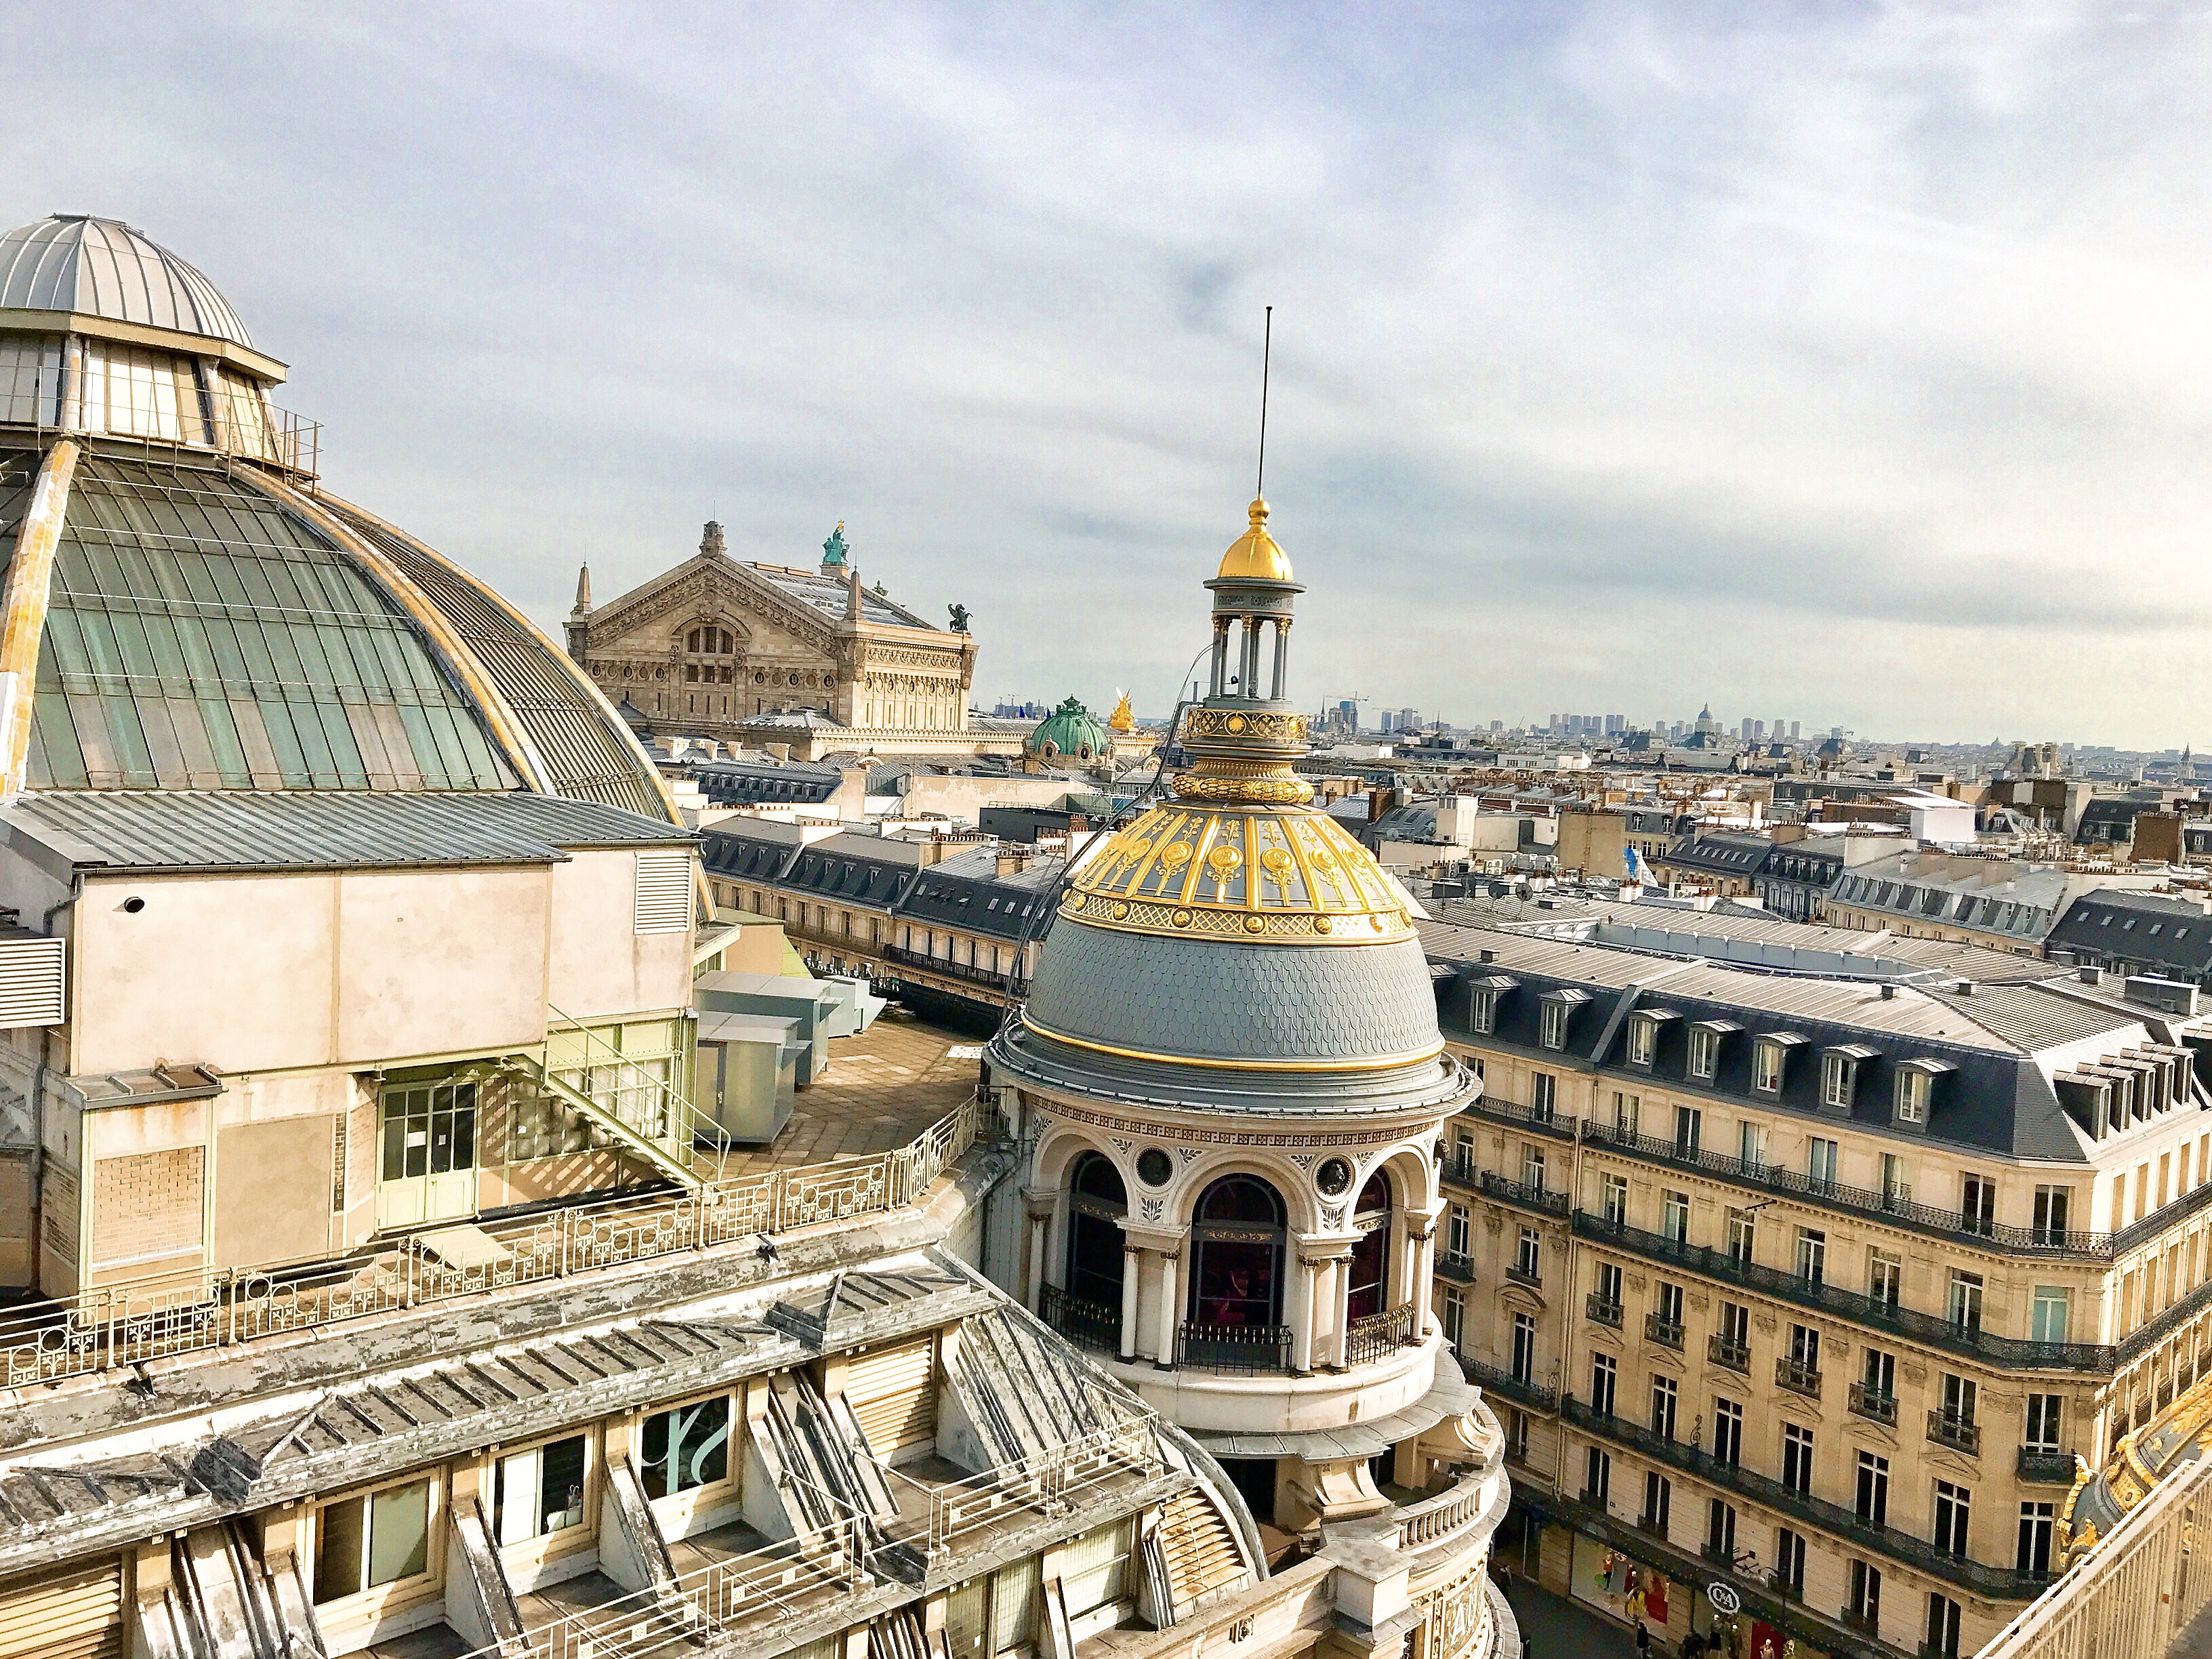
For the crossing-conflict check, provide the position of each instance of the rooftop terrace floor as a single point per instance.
(882, 1089)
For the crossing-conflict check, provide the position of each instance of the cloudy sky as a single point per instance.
(1840, 362)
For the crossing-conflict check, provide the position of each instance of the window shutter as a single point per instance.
(78, 1615)
(31, 981)
(663, 892)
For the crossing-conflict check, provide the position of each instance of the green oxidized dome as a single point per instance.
(1070, 731)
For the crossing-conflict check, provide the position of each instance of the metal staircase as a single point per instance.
(644, 1114)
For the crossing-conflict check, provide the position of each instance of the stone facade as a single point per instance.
(720, 647)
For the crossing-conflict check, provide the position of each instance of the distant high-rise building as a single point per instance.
(1347, 714)
(1389, 721)
(1409, 720)
(1615, 724)
(1793, 731)
(1745, 732)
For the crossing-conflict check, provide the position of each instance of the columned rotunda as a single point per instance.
(1232, 1082)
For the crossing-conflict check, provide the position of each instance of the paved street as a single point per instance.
(1553, 1627)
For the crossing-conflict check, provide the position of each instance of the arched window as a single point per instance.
(1087, 1308)
(1370, 1256)
(1236, 1305)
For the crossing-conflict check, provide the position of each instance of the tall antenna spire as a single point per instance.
(1267, 356)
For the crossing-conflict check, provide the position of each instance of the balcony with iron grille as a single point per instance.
(1873, 1403)
(2042, 1466)
(1089, 1325)
(1728, 1356)
(1959, 1433)
(1667, 1333)
(1238, 1350)
(1603, 1312)
(1944, 1335)
(1522, 1194)
(1797, 1376)
(2001, 1584)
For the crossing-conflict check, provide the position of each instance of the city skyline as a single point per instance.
(1850, 361)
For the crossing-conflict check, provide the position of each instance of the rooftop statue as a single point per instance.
(959, 617)
(1123, 719)
(833, 550)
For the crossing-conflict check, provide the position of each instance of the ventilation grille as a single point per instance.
(663, 892)
(30, 982)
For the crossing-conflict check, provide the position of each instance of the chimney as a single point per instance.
(1376, 801)
(2091, 974)
(1888, 991)
(780, 753)
(1488, 954)
(1965, 988)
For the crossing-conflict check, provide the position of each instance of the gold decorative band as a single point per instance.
(1239, 723)
(1233, 922)
(1363, 1063)
(1277, 791)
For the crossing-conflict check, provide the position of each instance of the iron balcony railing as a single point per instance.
(1728, 1356)
(2043, 1465)
(1873, 1403)
(1667, 1333)
(114, 1326)
(1895, 1206)
(1519, 1389)
(1542, 1121)
(1456, 1264)
(1601, 1311)
(1242, 1350)
(2002, 1583)
(1377, 1336)
(2005, 1353)
(1010, 983)
(1797, 1376)
(1089, 1325)
(1529, 1276)
(1524, 1194)
(1959, 1433)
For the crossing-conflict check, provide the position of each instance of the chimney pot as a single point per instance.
(1888, 991)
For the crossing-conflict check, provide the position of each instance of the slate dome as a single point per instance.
(1233, 940)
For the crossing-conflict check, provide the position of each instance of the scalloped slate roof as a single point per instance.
(1226, 999)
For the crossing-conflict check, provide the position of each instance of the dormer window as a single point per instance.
(1839, 1075)
(1483, 993)
(1644, 1035)
(1559, 1011)
(1768, 1056)
(1705, 1047)
(1914, 1091)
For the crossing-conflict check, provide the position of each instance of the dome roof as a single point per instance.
(1253, 555)
(210, 627)
(1070, 731)
(70, 262)
(1234, 948)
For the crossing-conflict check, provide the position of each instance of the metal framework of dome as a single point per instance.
(182, 612)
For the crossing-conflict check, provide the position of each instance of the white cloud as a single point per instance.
(1849, 365)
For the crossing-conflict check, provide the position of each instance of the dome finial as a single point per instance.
(1255, 555)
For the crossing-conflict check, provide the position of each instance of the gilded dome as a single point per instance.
(1255, 555)
(1234, 947)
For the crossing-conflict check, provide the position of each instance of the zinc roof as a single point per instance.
(104, 268)
(255, 830)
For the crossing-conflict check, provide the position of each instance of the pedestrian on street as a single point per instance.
(1643, 1640)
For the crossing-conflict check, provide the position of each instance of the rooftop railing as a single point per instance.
(111, 1325)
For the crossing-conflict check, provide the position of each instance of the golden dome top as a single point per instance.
(1265, 874)
(1253, 555)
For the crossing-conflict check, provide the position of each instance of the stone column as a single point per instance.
(1040, 1231)
(1298, 1306)
(1424, 1275)
(1133, 1265)
(1332, 1289)
(1282, 653)
(1171, 1311)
